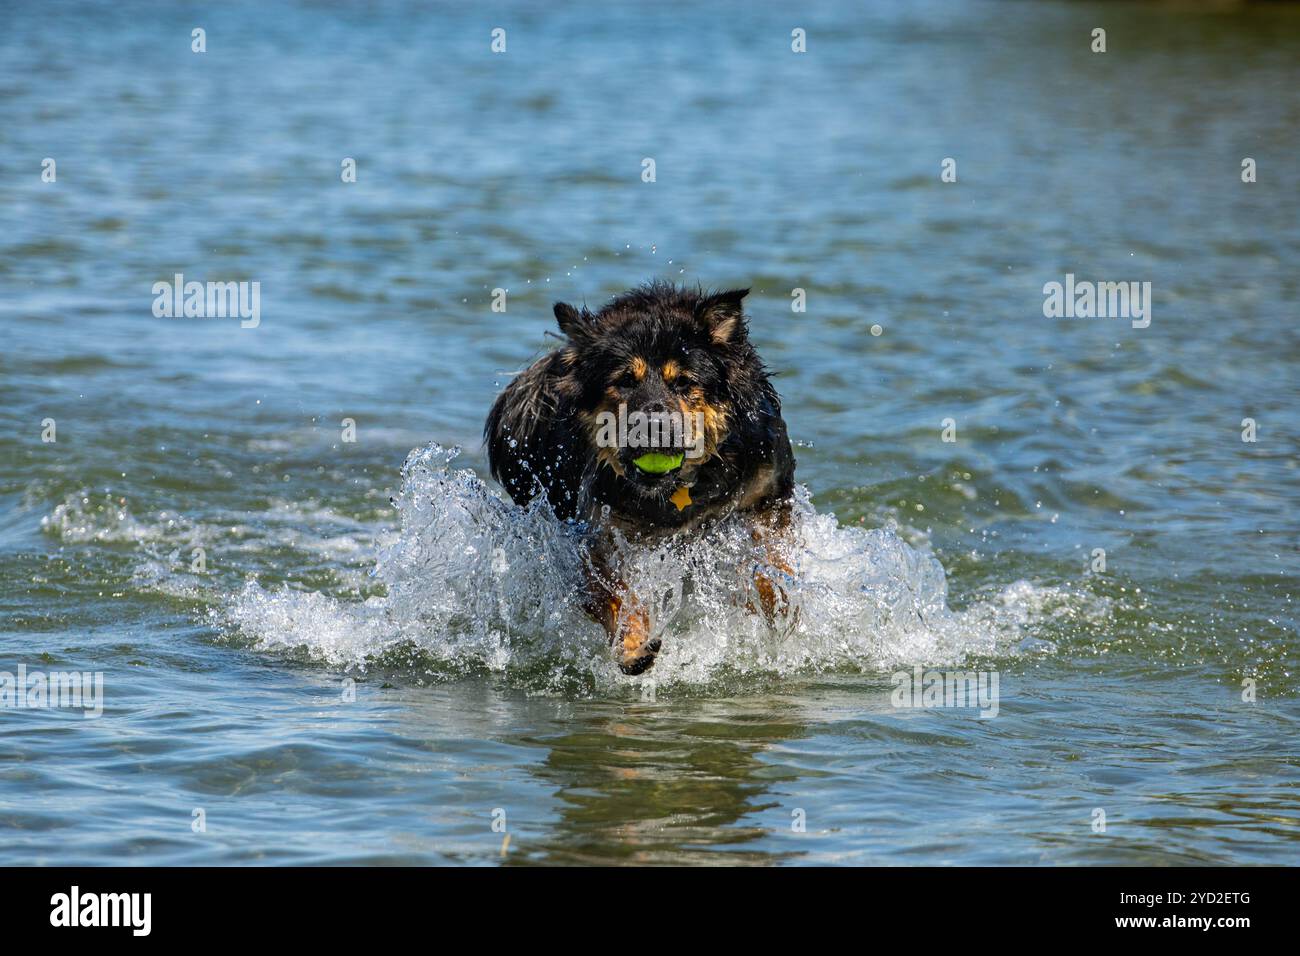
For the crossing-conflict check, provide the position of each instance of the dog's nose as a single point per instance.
(656, 408)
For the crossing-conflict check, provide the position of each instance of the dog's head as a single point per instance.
(658, 377)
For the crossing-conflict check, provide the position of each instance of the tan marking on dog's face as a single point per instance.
(714, 417)
(605, 454)
(633, 373)
(670, 371)
(609, 456)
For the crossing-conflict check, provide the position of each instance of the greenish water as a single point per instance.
(450, 618)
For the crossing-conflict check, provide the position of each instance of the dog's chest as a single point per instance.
(714, 494)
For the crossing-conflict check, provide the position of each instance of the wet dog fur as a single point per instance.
(656, 349)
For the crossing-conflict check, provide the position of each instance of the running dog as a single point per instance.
(655, 416)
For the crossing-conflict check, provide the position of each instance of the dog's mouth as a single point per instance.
(655, 463)
(652, 470)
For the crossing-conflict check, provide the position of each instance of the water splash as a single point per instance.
(86, 517)
(476, 583)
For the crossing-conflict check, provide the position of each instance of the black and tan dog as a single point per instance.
(672, 357)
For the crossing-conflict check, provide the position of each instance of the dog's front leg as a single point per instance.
(771, 533)
(611, 603)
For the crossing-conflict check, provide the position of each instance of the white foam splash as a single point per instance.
(166, 541)
(85, 517)
(476, 582)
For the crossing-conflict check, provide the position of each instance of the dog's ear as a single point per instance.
(723, 316)
(573, 323)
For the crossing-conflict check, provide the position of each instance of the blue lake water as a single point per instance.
(348, 678)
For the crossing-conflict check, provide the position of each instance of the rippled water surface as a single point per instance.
(378, 656)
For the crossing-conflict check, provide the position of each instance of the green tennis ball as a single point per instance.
(657, 464)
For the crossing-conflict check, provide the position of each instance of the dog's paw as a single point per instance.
(636, 648)
(642, 660)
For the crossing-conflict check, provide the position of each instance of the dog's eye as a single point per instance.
(626, 380)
